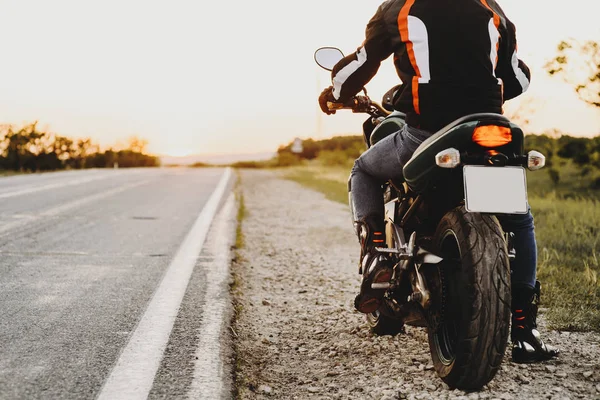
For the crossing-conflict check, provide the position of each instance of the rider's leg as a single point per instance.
(523, 267)
(379, 164)
(527, 343)
(382, 162)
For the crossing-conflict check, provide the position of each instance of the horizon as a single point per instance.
(256, 155)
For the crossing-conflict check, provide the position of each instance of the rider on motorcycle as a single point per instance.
(454, 58)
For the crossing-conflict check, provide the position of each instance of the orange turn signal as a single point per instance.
(492, 135)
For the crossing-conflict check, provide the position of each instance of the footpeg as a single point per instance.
(402, 255)
(381, 285)
(387, 250)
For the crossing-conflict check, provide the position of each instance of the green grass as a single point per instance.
(330, 182)
(567, 232)
(574, 182)
(8, 172)
(241, 214)
(567, 218)
(4, 172)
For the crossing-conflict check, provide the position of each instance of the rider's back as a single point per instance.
(449, 54)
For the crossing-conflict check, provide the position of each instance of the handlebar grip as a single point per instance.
(335, 106)
(360, 104)
(353, 102)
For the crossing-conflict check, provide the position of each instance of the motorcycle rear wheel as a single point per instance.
(468, 346)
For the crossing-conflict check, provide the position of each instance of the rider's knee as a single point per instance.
(517, 222)
(356, 167)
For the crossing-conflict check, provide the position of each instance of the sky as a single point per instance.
(196, 77)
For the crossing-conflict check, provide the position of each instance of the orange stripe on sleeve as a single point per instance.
(496, 16)
(415, 93)
(403, 27)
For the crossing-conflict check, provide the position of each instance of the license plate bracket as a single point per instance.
(495, 190)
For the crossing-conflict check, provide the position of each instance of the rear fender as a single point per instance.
(421, 171)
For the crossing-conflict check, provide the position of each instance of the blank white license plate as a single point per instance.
(497, 190)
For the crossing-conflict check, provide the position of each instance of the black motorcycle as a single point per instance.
(451, 256)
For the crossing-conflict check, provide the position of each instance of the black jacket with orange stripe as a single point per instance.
(454, 57)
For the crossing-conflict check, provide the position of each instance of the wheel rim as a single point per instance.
(445, 340)
(446, 336)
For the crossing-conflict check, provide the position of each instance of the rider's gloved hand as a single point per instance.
(325, 96)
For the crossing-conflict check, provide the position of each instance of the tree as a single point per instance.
(579, 65)
(574, 148)
(63, 147)
(22, 147)
(83, 149)
(136, 144)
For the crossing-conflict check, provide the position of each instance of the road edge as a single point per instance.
(214, 364)
(134, 373)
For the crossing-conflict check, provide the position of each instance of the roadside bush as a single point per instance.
(249, 164)
(331, 158)
(286, 159)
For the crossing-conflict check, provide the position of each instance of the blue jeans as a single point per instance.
(385, 160)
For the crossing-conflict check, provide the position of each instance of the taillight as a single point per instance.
(492, 135)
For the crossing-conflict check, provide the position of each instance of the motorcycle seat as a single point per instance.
(487, 117)
(392, 124)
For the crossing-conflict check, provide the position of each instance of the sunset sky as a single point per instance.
(228, 77)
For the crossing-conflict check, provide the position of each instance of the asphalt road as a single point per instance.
(84, 258)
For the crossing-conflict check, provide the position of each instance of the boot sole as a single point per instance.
(371, 300)
(519, 357)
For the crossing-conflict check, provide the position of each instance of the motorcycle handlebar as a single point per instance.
(359, 104)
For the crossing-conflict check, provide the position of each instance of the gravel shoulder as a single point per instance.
(297, 335)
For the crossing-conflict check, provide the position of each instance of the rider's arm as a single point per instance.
(353, 72)
(514, 73)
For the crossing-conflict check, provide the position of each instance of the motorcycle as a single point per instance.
(451, 257)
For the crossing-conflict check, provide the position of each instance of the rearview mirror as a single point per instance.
(327, 57)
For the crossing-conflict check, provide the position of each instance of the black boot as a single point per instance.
(374, 266)
(528, 346)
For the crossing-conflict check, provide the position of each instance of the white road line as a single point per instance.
(210, 374)
(52, 212)
(52, 186)
(133, 375)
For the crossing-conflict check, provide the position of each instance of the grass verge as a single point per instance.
(567, 232)
(332, 182)
(241, 214)
(568, 238)
(234, 287)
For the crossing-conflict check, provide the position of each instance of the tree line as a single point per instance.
(582, 151)
(30, 149)
(559, 149)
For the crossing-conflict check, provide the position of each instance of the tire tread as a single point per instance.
(486, 299)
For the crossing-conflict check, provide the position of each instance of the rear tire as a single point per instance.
(468, 346)
(382, 325)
